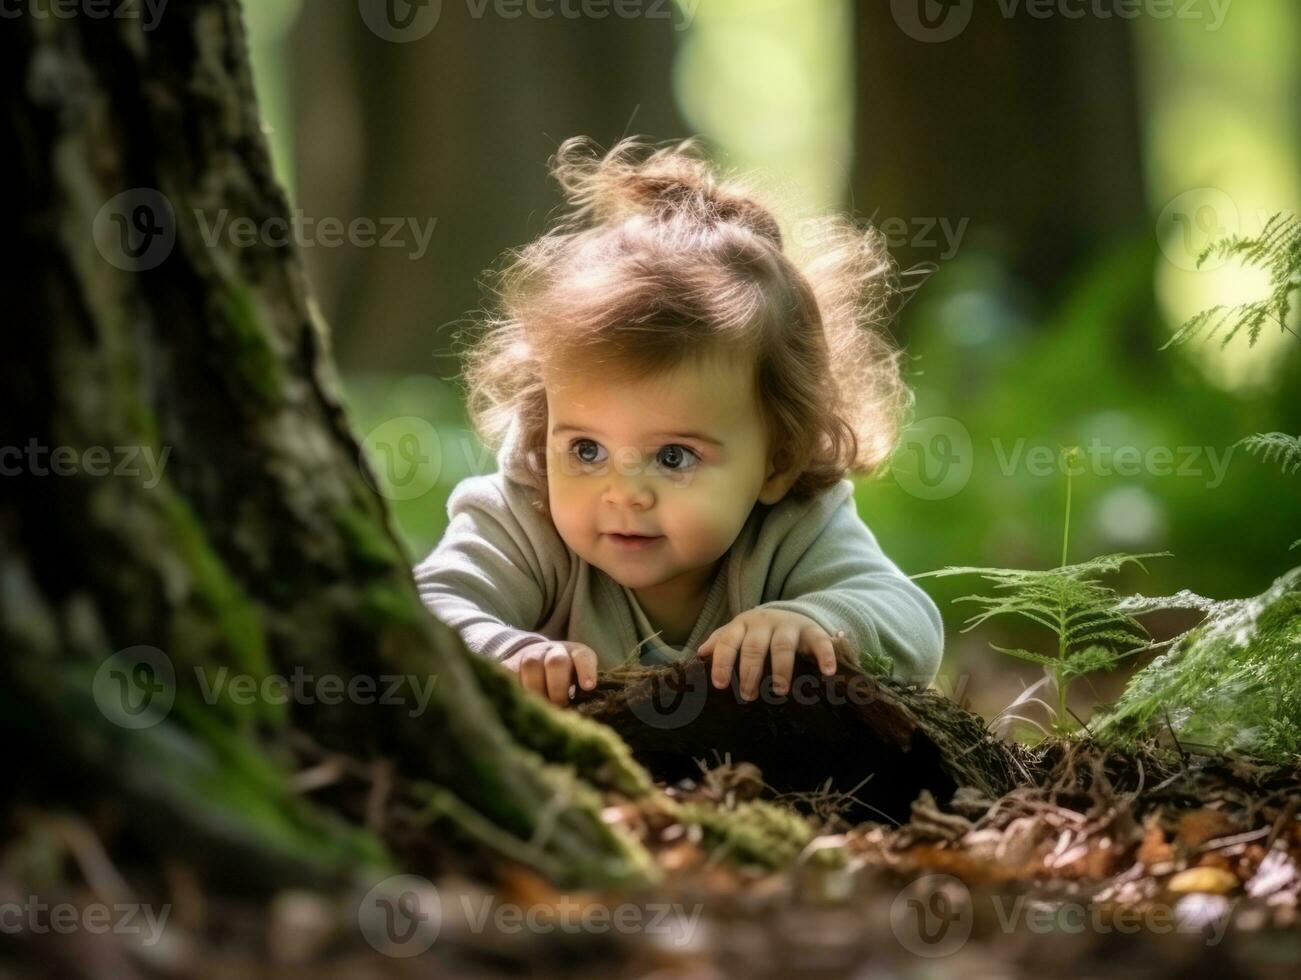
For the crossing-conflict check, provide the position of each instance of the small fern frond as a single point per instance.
(1190, 328)
(1030, 655)
(1088, 661)
(1094, 627)
(1277, 251)
(1275, 447)
(1066, 600)
(1012, 577)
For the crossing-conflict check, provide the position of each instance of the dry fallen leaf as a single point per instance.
(1213, 881)
(1154, 849)
(1198, 826)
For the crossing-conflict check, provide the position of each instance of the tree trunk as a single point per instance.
(1026, 127)
(454, 126)
(145, 327)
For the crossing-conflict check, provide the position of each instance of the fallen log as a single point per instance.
(870, 743)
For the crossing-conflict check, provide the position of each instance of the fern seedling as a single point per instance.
(1094, 632)
(1277, 250)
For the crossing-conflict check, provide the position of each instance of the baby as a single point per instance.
(677, 405)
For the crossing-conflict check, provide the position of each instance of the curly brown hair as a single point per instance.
(660, 258)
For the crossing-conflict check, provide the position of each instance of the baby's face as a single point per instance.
(679, 458)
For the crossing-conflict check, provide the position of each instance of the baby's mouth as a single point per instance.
(634, 541)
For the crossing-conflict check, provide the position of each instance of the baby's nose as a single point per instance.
(629, 488)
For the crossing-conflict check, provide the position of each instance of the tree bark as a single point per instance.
(138, 329)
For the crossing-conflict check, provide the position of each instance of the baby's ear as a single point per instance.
(783, 471)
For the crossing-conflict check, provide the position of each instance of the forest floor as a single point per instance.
(1147, 863)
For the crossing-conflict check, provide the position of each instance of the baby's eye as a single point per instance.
(677, 458)
(586, 451)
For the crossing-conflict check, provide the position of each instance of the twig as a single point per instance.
(1183, 756)
(1289, 811)
(1072, 713)
(1219, 842)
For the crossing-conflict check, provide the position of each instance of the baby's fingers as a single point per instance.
(754, 650)
(707, 646)
(560, 673)
(532, 674)
(722, 647)
(785, 639)
(815, 640)
(585, 664)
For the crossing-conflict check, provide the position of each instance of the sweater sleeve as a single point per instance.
(844, 581)
(492, 576)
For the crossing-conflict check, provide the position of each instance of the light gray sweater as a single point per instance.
(502, 577)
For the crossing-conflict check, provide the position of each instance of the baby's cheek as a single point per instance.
(707, 522)
(568, 514)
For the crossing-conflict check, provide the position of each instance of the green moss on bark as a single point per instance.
(595, 751)
(248, 353)
(234, 615)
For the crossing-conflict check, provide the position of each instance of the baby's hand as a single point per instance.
(548, 666)
(753, 634)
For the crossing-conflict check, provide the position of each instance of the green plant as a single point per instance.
(1234, 682)
(1093, 629)
(1277, 250)
(1276, 447)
